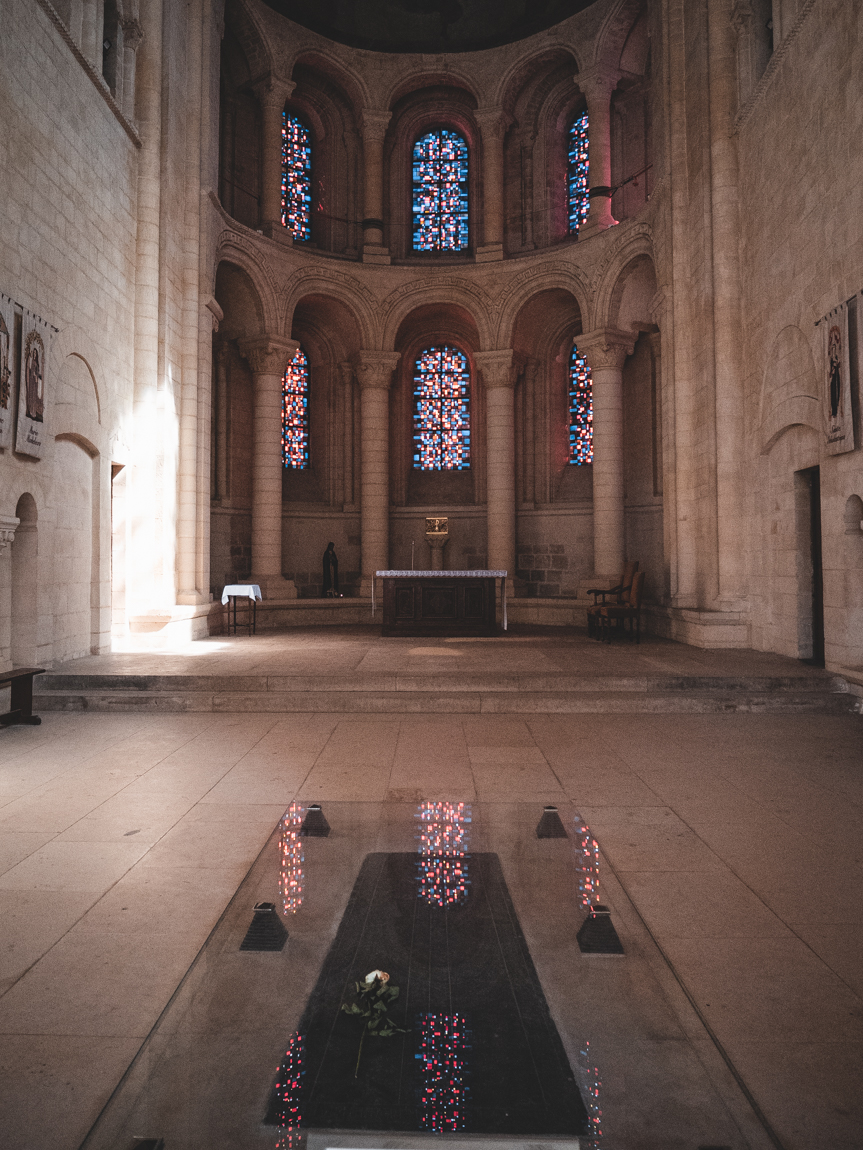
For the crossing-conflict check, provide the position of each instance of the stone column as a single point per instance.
(272, 94)
(268, 357)
(8, 523)
(491, 125)
(346, 374)
(374, 370)
(132, 37)
(374, 131)
(498, 373)
(605, 352)
(597, 84)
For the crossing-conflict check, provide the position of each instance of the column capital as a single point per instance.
(268, 354)
(498, 367)
(598, 82)
(374, 369)
(491, 122)
(272, 91)
(374, 123)
(8, 523)
(346, 372)
(741, 15)
(133, 34)
(606, 347)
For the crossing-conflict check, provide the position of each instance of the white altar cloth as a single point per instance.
(443, 575)
(241, 591)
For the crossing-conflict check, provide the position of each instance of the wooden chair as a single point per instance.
(621, 612)
(601, 594)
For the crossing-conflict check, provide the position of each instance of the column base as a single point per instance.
(274, 230)
(275, 586)
(376, 254)
(488, 253)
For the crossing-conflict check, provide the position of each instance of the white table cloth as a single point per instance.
(241, 591)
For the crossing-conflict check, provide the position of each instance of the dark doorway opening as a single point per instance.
(812, 582)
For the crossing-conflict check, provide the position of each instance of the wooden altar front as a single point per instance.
(446, 603)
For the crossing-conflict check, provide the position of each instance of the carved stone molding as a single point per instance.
(375, 123)
(597, 83)
(268, 355)
(375, 368)
(273, 91)
(498, 368)
(606, 347)
(8, 523)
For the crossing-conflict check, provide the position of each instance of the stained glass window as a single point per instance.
(578, 197)
(295, 412)
(296, 177)
(580, 410)
(440, 192)
(441, 410)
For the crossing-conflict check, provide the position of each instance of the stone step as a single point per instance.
(715, 700)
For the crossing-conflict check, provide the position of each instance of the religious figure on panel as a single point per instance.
(834, 344)
(34, 379)
(5, 372)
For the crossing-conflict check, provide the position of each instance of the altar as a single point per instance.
(449, 603)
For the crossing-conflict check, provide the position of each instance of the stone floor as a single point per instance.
(737, 837)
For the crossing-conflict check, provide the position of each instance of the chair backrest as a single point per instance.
(629, 570)
(636, 590)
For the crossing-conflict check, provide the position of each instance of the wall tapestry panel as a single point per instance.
(836, 373)
(7, 332)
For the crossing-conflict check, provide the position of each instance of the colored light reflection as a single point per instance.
(587, 861)
(295, 412)
(441, 410)
(591, 1084)
(578, 166)
(288, 1088)
(444, 839)
(296, 177)
(580, 410)
(291, 858)
(443, 1042)
(440, 207)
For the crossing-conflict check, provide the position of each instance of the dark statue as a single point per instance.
(331, 572)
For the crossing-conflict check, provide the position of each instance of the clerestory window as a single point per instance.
(440, 200)
(296, 177)
(295, 413)
(441, 410)
(580, 410)
(578, 164)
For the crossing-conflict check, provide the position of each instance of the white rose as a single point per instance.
(382, 975)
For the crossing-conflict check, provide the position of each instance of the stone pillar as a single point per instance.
(268, 358)
(272, 94)
(605, 352)
(374, 131)
(498, 373)
(132, 37)
(346, 374)
(374, 370)
(597, 84)
(491, 125)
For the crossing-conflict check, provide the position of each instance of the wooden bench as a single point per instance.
(21, 680)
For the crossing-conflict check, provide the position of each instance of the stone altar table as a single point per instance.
(443, 603)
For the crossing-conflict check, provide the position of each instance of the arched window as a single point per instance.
(296, 177)
(580, 410)
(295, 413)
(440, 192)
(441, 410)
(578, 193)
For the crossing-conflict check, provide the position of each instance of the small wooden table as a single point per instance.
(235, 591)
(21, 679)
(447, 603)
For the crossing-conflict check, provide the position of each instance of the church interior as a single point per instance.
(553, 305)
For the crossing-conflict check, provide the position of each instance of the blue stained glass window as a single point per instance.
(296, 177)
(440, 192)
(441, 410)
(580, 410)
(295, 412)
(578, 196)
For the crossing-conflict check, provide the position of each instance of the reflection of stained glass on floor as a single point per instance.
(288, 1116)
(443, 1043)
(591, 1085)
(587, 859)
(291, 859)
(443, 864)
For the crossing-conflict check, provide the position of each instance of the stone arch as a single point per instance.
(442, 292)
(566, 277)
(609, 44)
(25, 582)
(348, 79)
(608, 285)
(247, 26)
(345, 291)
(514, 78)
(406, 86)
(853, 515)
(789, 391)
(92, 380)
(244, 291)
(632, 295)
